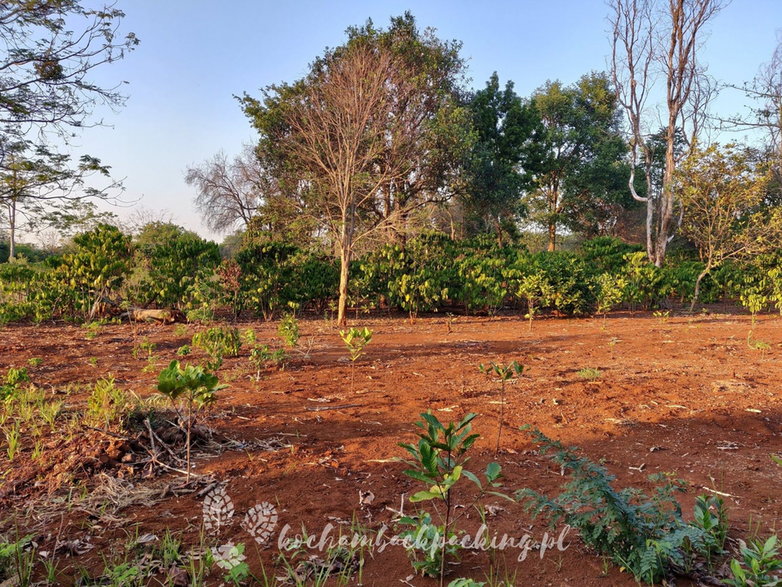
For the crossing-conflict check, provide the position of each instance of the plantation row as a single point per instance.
(106, 270)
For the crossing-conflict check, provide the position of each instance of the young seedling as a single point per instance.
(12, 441)
(760, 561)
(589, 373)
(438, 461)
(189, 388)
(757, 345)
(662, 316)
(92, 328)
(355, 340)
(536, 290)
(288, 330)
(145, 347)
(503, 373)
(218, 342)
(261, 356)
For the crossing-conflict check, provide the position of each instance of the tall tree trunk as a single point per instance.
(344, 269)
(498, 228)
(12, 229)
(697, 291)
(553, 210)
(665, 219)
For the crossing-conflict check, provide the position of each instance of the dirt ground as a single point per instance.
(681, 395)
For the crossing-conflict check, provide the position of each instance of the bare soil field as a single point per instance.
(317, 440)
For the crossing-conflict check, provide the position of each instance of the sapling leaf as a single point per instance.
(493, 472)
(502, 495)
(432, 420)
(424, 496)
(472, 477)
(418, 476)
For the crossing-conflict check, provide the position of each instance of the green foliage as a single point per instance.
(481, 274)
(643, 534)
(267, 277)
(610, 291)
(438, 461)
(416, 277)
(263, 356)
(144, 349)
(356, 339)
(589, 373)
(644, 280)
(502, 372)
(175, 260)
(17, 561)
(711, 516)
(98, 267)
(189, 388)
(504, 126)
(466, 583)
(13, 378)
(274, 275)
(218, 342)
(288, 329)
(534, 289)
(192, 383)
(606, 254)
(92, 328)
(12, 440)
(568, 280)
(107, 405)
(759, 562)
(580, 178)
(426, 539)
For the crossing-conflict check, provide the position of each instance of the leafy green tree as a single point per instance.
(99, 265)
(41, 188)
(581, 170)
(48, 53)
(503, 154)
(721, 190)
(370, 132)
(175, 259)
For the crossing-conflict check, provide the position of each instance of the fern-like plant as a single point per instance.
(643, 534)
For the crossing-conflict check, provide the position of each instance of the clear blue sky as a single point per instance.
(196, 55)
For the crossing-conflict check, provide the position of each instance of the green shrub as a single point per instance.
(288, 329)
(98, 267)
(644, 534)
(174, 267)
(218, 343)
(417, 277)
(606, 254)
(266, 277)
(644, 281)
